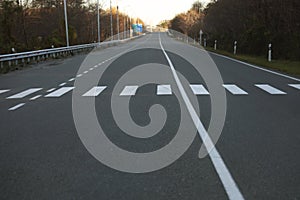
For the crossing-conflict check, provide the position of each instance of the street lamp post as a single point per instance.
(118, 23)
(124, 27)
(98, 19)
(66, 23)
(111, 23)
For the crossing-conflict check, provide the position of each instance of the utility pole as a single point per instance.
(98, 18)
(111, 23)
(118, 23)
(66, 23)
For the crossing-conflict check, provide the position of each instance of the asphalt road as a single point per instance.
(43, 157)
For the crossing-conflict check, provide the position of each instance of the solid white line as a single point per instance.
(269, 89)
(24, 93)
(164, 90)
(95, 91)
(256, 67)
(3, 91)
(34, 98)
(129, 90)
(16, 107)
(72, 79)
(199, 90)
(62, 84)
(229, 184)
(52, 89)
(235, 90)
(79, 75)
(60, 92)
(297, 86)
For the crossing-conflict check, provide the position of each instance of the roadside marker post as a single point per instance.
(215, 47)
(270, 53)
(234, 48)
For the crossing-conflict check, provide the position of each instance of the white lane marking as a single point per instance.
(85, 72)
(91, 69)
(164, 90)
(297, 86)
(3, 91)
(95, 91)
(16, 107)
(24, 93)
(72, 79)
(34, 98)
(234, 89)
(52, 89)
(129, 90)
(229, 184)
(199, 90)
(60, 92)
(254, 66)
(269, 89)
(79, 75)
(62, 84)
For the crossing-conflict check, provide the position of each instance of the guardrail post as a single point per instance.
(215, 46)
(234, 48)
(28, 60)
(204, 42)
(9, 63)
(270, 53)
(1, 65)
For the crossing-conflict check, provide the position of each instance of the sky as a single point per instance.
(152, 11)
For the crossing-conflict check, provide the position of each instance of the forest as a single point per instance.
(38, 24)
(252, 23)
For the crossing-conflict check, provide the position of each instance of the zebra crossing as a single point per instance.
(131, 90)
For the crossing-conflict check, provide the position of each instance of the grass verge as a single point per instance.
(285, 66)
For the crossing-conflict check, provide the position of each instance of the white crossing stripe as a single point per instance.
(62, 84)
(199, 90)
(164, 90)
(235, 90)
(95, 91)
(60, 92)
(16, 107)
(269, 89)
(34, 98)
(3, 91)
(24, 93)
(297, 86)
(51, 90)
(129, 90)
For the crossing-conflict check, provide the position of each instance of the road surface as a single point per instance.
(42, 156)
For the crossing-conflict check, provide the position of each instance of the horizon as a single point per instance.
(145, 9)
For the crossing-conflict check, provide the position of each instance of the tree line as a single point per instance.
(252, 23)
(38, 24)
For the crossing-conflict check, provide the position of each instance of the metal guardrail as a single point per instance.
(45, 53)
(29, 54)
